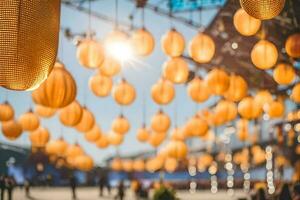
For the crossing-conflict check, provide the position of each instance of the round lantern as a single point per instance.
(156, 139)
(177, 134)
(11, 129)
(73, 151)
(177, 149)
(56, 147)
(160, 122)
(100, 85)
(249, 109)
(120, 125)
(87, 121)
(154, 164)
(245, 24)
(127, 165)
(71, 115)
(43, 111)
(275, 109)
(292, 45)
(172, 43)
(218, 81)
(142, 134)
(90, 53)
(84, 162)
(176, 70)
(115, 138)
(243, 129)
(284, 74)
(143, 42)
(263, 9)
(115, 37)
(58, 91)
(103, 142)
(116, 164)
(226, 109)
(124, 93)
(295, 96)
(198, 90)
(264, 54)
(196, 126)
(139, 165)
(40, 137)
(6, 112)
(110, 67)
(94, 134)
(202, 48)
(163, 92)
(263, 97)
(170, 165)
(29, 121)
(238, 88)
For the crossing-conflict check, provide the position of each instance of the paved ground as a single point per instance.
(92, 194)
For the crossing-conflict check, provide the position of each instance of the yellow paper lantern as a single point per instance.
(43, 111)
(177, 149)
(249, 109)
(84, 162)
(11, 129)
(227, 110)
(102, 142)
(90, 53)
(295, 96)
(170, 165)
(143, 134)
(124, 93)
(176, 70)
(100, 85)
(71, 115)
(284, 74)
(163, 92)
(139, 165)
(292, 45)
(197, 126)
(116, 164)
(73, 151)
(243, 130)
(29, 121)
(115, 138)
(172, 43)
(275, 109)
(127, 165)
(87, 121)
(160, 122)
(6, 112)
(39, 138)
(198, 90)
(264, 54)
(245, 24)
(156, 139)
(238, 88)
(262, 97)
(120, 125)
(110, 66)
(218, 81)
(143, 42)
(154, 164)
(202, 48)
(56, 147)
(94, 134)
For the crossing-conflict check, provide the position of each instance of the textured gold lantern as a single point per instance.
(6, 112)
(124, 93)
(58, 91)
(160, 122)
(243, 129)
(170, 165)
(156, 139)
(40, 137)
(163, 92)
(198, 90)
(249, 109)
(143, 42)
(263, 9)
(110, 66)
(29, 121)
(245, 24)
(264, 54)
(262, 97)
(172, 43)
(11, 129)
(87, 121)
(196, 126)
(284, 74)
(90, 53)
(71, 115)
(102, 142)
(202, 48)
(295, 96)
(116, 164)
(29, 41)
(100, 85)
(120, 125)
(227, 110)
(115, 138)
(143, 134)
(292, 45)
(84, 162)
(176, 70)
(94, 134)
(139, 165)
(275, 109)
(218, 81)
(43, 111)
(56, 147)
(238, 88)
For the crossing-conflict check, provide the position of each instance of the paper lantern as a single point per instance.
(238, 88)
(7, 112)
(243, 130)
(227, 110)
(177, 134)
(84, 163)
(263, 97)
(245, 24)
(275, 109)
(29, 42)
(73, 151)
(58, 91)
(198, 90)
(29, 121)
(56, 147)
(177, 149)
(163, 92)
(143, 42)
(115, 37)
(264, 54)
(172, 43)
(139, 165)
(115, 139)
(110, 66)
(202, 48)
(143, 134)
(127, 165)
(176, 70)
(197, 126)
(11, 129)
(218, 81)
(249, 109)
(124, 93)
(160, 122)
(90, 53)
(120, 125)
(284, 74)
(39, 138)
(100, 85)
(71, 115)
(292, 45)
(170, 165)
(205, 160)
(87, 121)
(94, 134)
(43, 111)
(154, 164)
(116, 164)
(156, 139)
(102, 142)
(263, 9)
(295, 96)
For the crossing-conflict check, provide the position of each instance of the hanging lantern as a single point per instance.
(243, 130)
(163, 92)
(73, 151)
(39, 138)
(238, 88)
(143, 134)
(245, 24)
(176, 70)
(275, 109)
(29, 42)
(56, 147)
(160, 122)
(102, 142)
(263, 9)
(11, 129)
(156, 139)
(218, 81)
(154, 164)
(115, 138)
(263, 97)
(295, 96)
(172, 43)
(249, 109)
(202, 48)
(177, 134)
(43, 111)
(226, 109)
(143, 42)
(71, 115)
(284, 74)
(110, 67)
(120, 125)
(7, 112)
(94, 134)
(264, 54)
(127, 165)
(170, 165)
(58, 91)
(139, 165)
(292, 45)
(87, 121)
(198, 90)
(84, 163)
(115, 37)
(100, 85)
(124, 93)
(90, 53)
(196, 126)
(29, 121)
(116, 164)
(177, 149)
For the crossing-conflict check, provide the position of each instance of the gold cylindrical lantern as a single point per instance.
(163, 92)
(264, 54)
(11, 129)
(143, 42)
(198, 90)
(124, 93)
(71, 115)
(292, 45)
(7, 112)
(29, 121)
(172, 43)
(202, 48)
(28, 42)
(284, 74)
(245, 24)
(87, 121)
(100, 85)
(176, 70)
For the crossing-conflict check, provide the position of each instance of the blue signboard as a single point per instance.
(183, 5)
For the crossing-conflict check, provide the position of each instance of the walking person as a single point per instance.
(27, 187)
(73, 185)
(10, 184)
(101, 184)
(2, 187)
(121, 190)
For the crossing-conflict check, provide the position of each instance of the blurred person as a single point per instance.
(27, 187)
(10, 184)
(261, 194)
(285, 193)
(2, 187)
(101, 184)
(73, 185)
(296, 191)
(121, 191)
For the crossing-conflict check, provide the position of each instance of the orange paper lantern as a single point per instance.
(176, 70)
(218, 81)
(115, 138)
(292, 45)
(29, 121)
(143, 42)
(6, 112)
(110, 67)
(94, 134)
(102, 142)
(264, 54)
(100, 85)
(160, 122)
(245, 24)
(124, 93)
(43, 111)
(295, 96)
(120, 125)
(40, 137)
(142, 134)
(284, 74)
(163, 92)
(249, 109)
(238, 88)
(172, 43)
(198, 90)
(11, 129)
(71, 115)
(202, 48)
(87, 121)
(90, 53)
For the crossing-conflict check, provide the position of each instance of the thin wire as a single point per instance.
(200, 17)
(143, 17)
(170, 13)
(90, 19)
(144, 108)
(175, 113)
(116, 14)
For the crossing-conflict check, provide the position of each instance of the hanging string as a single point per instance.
(143, 17)
(144, 108)
(201, 28)
(116, 14)
(170, 13)
(90, 19)
(175, 113)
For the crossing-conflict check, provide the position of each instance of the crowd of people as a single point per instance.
(7, 184)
